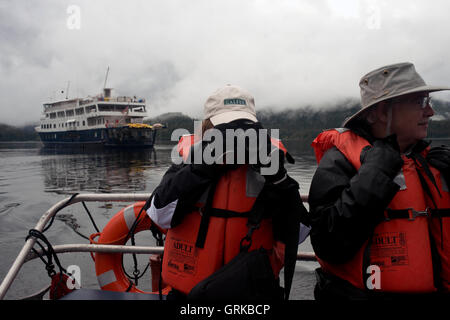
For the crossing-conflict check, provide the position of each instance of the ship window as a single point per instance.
(79, 111)
(61, 114)
(53, 115)
(90, 109)
(139, 109)
(54, 125)
(84, 123)
(91, 121)
(121, 108)
(69, 113)
(105, 107)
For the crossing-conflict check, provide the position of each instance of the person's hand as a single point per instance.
(383, 155)
(439, 157)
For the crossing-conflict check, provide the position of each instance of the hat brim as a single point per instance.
(387, 97)
(229, 116)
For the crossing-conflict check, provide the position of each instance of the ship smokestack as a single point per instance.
(107, 92)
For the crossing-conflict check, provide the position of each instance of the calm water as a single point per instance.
(32, 179)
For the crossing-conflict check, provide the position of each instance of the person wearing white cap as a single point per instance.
(379, 199)
(219, 213)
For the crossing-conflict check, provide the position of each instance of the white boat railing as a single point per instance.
(26, 254)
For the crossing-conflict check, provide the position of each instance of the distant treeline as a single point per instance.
(298, 127)
(24, 133)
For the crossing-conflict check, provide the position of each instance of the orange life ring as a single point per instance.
(108, 266)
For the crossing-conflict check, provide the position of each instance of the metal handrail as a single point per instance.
(27, 254)
(107, 248)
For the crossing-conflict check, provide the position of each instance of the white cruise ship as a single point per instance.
(100, 120)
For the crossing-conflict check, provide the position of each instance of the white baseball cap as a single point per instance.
(228, 104)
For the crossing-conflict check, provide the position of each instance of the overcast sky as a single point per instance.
(287, 53)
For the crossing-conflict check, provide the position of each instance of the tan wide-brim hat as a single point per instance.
(228, 104)
(389, 82)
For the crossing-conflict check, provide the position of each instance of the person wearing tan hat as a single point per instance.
(379, 200)
(218, 213)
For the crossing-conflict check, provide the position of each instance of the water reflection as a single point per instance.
(105, 171)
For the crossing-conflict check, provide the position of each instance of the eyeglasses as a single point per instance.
(423, 102)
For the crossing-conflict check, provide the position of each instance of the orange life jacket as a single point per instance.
(401, 245)
(184, 263)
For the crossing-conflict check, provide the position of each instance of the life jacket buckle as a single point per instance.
(248, 238)
(413, 214)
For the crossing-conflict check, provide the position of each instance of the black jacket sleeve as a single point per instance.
(184, 183)
(345, 206)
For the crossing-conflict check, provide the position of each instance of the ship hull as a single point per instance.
(119, 137)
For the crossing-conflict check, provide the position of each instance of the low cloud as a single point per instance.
(176, 53)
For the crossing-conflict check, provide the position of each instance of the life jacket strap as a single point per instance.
(205, 213)
(408, 213)
(224, 213)
(441, 213)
